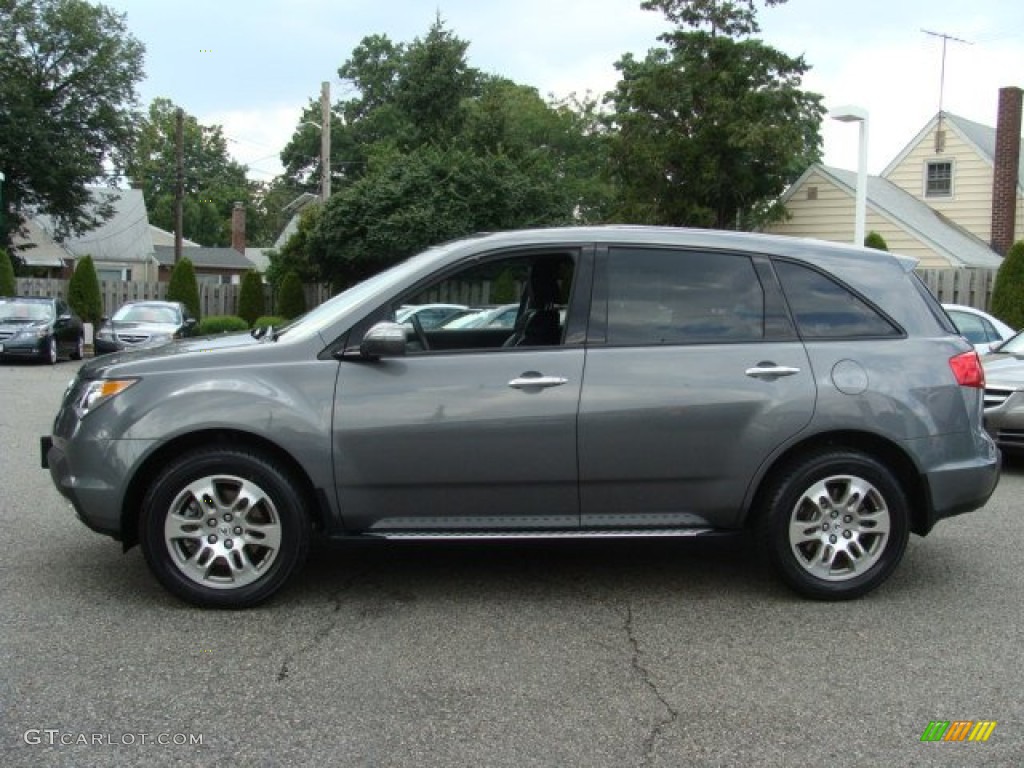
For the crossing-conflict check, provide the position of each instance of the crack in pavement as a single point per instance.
(321, 634)
(645, 675)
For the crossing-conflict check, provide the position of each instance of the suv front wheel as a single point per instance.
(836, 524)
(223, 528)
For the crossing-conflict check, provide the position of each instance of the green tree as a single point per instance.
(434, 150)
(876, 241)
(250, 298)
(183, 286)
(292, 299)
(1008, 293)
(213, 181)
(711, 129)
(8, 286)
(68, 71)
(84, 292)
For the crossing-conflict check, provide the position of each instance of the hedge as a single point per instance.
(222, 324)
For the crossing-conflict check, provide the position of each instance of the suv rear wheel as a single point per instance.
(224, 528)
(836, 524)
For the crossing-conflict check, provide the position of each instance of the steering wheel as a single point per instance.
(417, 328)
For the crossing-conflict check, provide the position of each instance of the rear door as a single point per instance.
(694, 377)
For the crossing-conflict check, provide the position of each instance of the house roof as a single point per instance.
(208, 258)
(163, 237)
(981, 137)
(258, 256)
(917, 218)
(125, 237)
(37, 249)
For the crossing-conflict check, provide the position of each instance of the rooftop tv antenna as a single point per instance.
(939, 134)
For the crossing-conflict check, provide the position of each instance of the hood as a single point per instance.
(148, 328)
(19, 324)
(181, 349)
(1003, 370)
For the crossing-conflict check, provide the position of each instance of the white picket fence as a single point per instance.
(213, 299)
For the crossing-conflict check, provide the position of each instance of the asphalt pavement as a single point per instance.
(542, 654)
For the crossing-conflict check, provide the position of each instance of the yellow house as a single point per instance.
(952, 198)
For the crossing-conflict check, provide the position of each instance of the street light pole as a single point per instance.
(852, 114)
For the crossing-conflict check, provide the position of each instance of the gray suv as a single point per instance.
(657, 382)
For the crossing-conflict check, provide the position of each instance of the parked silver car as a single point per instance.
(700, 382)
(1004, 394)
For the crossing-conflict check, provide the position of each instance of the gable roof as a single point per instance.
(124, 237)
(202, 256)
(35, 248)
(982, 138)
(915, 217)
(163, 237)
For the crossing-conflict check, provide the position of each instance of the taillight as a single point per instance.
(967, 370)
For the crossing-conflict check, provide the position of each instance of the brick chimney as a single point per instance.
(238, 225)
(1006, 170)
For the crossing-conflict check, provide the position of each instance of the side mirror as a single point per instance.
(105, 319)
(384, 340)
(65, 318)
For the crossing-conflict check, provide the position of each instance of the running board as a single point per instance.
(635, 533)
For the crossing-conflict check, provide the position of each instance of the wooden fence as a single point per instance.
(972, 287)
(968, 286)
(213, 299)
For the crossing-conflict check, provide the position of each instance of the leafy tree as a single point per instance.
(296, 255)
(84, 292)
(212, 180)
(250, 298)
(8, 285)
(292, 300)
(1008, 293)
(434, 150)
(711, 129)
(183, 286)
(68, 71)
(876, 241)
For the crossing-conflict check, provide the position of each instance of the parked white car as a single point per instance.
(979, 328)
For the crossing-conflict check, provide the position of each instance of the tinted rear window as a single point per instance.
(825, 309)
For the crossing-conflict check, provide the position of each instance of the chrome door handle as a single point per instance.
(528, 381)
(768, 371)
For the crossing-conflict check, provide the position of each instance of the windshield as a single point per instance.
(147, 313)
(327, 313)
(25, 310)
(1014, 346)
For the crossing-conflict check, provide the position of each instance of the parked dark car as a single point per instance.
(142, 324)
(700, 382)
(39, 328)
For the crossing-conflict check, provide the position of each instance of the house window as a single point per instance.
(939, 179)
(114, 275)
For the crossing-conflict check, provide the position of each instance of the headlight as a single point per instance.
(104, 334)
(98, 392)
(159, 338)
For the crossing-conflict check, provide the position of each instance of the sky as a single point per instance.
(251, 66)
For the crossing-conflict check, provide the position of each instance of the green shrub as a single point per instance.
(250, 297)
(8, 287)
(183, 286)
(1008, 293)
(876, 241)
(222, 324)
(269, 320)
(292, 301)
(84, 292)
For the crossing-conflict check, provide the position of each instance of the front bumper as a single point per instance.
(24, 347)
(92, 476)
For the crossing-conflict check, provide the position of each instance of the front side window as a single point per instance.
(512, 301)
(938, 179)
(664, 296)
(824, 309)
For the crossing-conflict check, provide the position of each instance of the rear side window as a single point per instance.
(824, 309)
(664, 296)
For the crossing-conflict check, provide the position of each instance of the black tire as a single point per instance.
(51, 353)
(846, 500)
(79, 351)
(197, 559)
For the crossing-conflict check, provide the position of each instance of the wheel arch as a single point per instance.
(316, 502)
(880, 448)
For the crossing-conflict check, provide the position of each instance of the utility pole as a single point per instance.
(325, 141)
(179, 179)
(942, 74)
